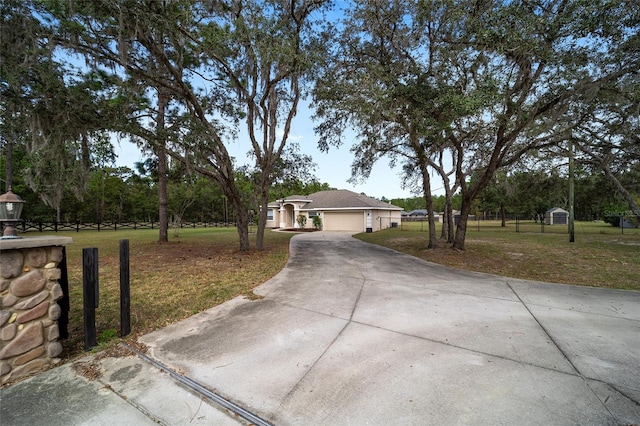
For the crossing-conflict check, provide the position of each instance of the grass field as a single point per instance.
(195, 271)
(601, 256)
(202, 268)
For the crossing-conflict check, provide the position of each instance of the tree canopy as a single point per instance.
(487, 82)
(212, 65)
(462, 91)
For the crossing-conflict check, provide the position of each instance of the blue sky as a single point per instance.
(333, 167)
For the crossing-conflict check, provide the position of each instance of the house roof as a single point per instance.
(557, 209)
(337, 200)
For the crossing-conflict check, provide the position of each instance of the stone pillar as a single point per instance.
(29, 290)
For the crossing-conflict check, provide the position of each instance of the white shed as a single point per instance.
(556, 216)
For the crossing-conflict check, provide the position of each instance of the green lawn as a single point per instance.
(203, 267)
(601, 256)
(195, 271)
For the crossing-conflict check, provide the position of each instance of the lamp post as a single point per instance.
(10, 210)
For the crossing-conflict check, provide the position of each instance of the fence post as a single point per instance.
(90, 294)
(125, 290)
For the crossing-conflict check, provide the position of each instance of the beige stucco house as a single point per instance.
(339, 210)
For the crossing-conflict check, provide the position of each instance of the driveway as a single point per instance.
(354, 334)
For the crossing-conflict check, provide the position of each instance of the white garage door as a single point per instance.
(343, 221)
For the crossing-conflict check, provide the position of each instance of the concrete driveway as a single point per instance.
(354, 334)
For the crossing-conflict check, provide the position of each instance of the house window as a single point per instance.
(312, 214)
(270, 214)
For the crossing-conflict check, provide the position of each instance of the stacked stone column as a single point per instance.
(29, 290)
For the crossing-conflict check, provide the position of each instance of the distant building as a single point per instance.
(339, 210)
(556, 216)
(419, 215)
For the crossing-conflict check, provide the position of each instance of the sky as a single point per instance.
(333, 168)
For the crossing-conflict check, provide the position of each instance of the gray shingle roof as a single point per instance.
(335, 200)
(344, 199)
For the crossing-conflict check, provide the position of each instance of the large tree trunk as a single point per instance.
(447, 215)
(426, 184)
(262, 214)
(161, 153)
(242, 222)
(262, 224)
(224, 177)
(450, 221)
(461, 230)
(263, 199)
(445, 225)
(470, 192)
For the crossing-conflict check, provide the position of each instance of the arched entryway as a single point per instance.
(288, 216)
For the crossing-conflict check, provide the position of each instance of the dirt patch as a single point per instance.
(515, 255)
(90, 370)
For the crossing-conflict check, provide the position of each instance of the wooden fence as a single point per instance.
(30, 226)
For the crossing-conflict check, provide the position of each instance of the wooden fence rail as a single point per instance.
(31, 226)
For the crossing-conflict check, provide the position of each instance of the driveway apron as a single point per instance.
(349, 333)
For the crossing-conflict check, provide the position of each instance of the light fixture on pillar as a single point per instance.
(10, 211)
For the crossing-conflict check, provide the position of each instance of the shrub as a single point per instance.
(317, 222)
(301, 220)
(613, 214)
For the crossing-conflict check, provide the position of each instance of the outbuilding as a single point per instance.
(556, 216)
(339, 210)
